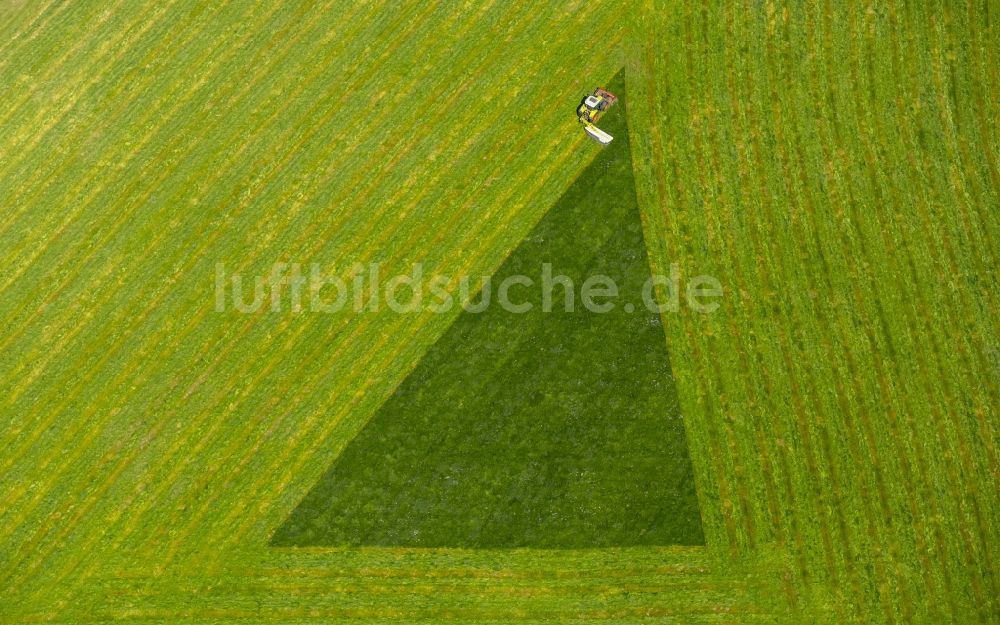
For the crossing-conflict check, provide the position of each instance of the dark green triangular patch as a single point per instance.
(551, 430)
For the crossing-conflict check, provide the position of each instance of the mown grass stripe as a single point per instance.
(288, 474)
(81, 205)
(701, 124)
(153, 122)
(175, 41)
(906, 372)
(77, 89)
(869, 437)
(100, 45)
(70, 316)
(937, 417)
(853, 368)
(360, 238)
(949, 593)
(84, 422)
(232, 155)
(762, 208)
(854, 376)
(22, 21)
(26, 56)
(492, 240)
(725, 232)
(123, 465)
(668, 197)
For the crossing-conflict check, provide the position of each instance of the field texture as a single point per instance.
(834, 165)
(530, 429)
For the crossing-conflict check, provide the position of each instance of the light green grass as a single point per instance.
(835, 165)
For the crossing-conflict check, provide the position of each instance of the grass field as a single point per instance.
(836, 168)
(834, 165)
(530, 429)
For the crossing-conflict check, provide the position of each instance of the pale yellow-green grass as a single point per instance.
(834, 164)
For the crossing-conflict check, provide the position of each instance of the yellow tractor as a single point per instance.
(591, 109)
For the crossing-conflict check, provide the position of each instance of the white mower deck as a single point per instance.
(597, 134)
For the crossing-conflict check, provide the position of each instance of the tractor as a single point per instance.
(591, 109)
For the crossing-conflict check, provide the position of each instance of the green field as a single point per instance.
(834, 165)
(554, 429)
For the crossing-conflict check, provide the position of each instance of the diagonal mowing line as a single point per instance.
(971, 225)
(204, 437)
(171, 43)
(153, 121)
(291, 150)
(360, 198)
(11, 47)
(303, 456)
(445, 229)
(35, 25)
(318, 440)
(68, 219)
(77, 86)
(70, 316)
(360, 365)
(363, 237)
(404, 247)
(152, 115)
(960, 134)
(58, 288)
(9, 458)
(106, 44)
(951, 189)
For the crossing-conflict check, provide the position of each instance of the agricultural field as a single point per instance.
(569, 433)
(836, 167)
(822, 447)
